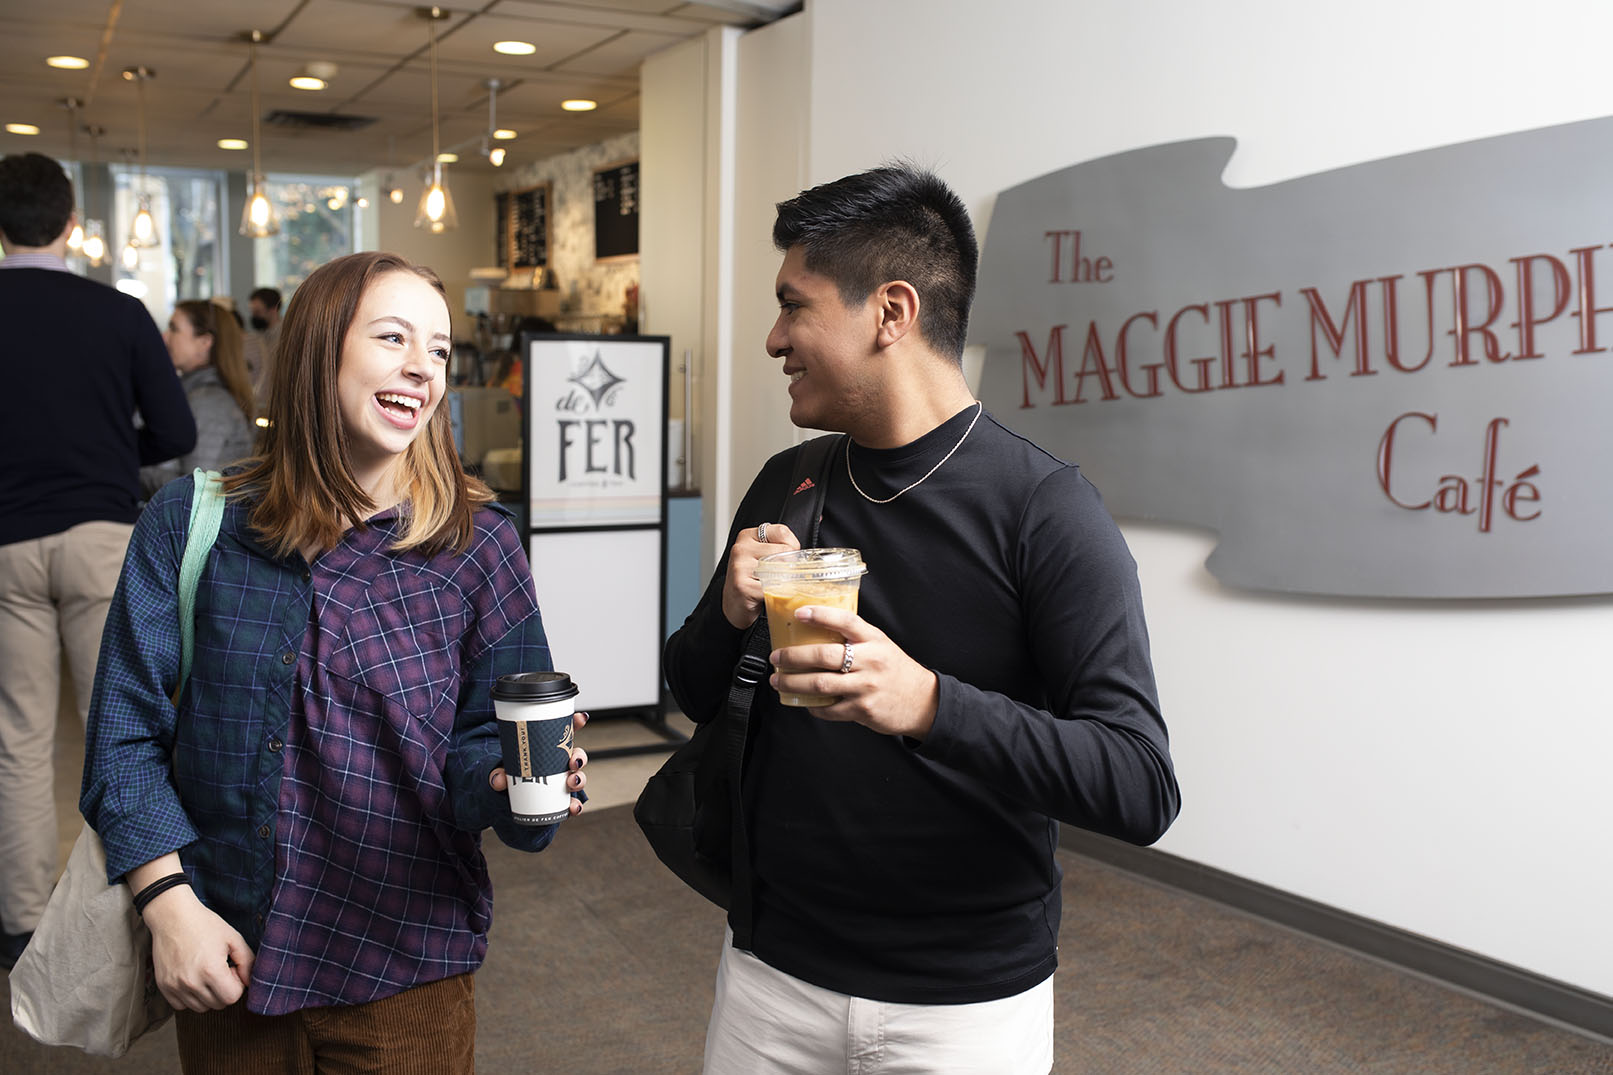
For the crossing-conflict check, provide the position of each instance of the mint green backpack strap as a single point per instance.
(206, 512)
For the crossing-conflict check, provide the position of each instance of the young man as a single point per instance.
(263, 309)
(86, 358)
(995, 681)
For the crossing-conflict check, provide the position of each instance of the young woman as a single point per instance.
(204, 344)
(303, 833)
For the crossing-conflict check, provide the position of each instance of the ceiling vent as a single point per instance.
(316, 121)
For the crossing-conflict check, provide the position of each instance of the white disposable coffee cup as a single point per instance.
(534, 711)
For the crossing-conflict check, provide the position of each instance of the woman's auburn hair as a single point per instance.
(301, 476)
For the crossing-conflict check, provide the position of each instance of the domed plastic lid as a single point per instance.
(811, 564)
(534, 687)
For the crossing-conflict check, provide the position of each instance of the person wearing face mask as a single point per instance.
(263, 314)
(204, 344)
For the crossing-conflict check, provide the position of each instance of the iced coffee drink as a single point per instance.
(794, 580)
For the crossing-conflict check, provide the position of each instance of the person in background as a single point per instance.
(303, 832)
(263, 307)
(204, 344)
(86, 359)
(994, 681)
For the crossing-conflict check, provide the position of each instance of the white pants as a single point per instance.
(54, 592)
(764, 1022)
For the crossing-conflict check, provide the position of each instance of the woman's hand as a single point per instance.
(201, 962)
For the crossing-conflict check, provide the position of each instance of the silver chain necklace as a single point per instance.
(979, 408)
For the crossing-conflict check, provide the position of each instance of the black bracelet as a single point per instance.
(157, 888)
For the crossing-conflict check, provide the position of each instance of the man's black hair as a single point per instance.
(269, 296)
(36, 199)
(895, 222)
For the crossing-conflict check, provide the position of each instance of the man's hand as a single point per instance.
(741, 592)
(885, 689)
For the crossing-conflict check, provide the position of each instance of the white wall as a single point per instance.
(451, 254)
(1440, 767)
(672, 221)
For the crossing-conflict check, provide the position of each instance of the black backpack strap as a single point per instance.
(803, 514)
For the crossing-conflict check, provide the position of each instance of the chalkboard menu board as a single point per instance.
(616, 211)
(521, 229)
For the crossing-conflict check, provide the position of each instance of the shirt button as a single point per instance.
(287, 657)
(258, 919)
(275, 745)
(265, 831)
(307, 576)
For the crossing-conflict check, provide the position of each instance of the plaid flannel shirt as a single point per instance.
(326, 778)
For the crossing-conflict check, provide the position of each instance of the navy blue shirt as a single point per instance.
(85, 359)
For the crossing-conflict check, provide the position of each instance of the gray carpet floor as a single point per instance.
(602, 963)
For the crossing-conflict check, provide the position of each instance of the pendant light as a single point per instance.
(94, 248)
(75, 238)
(143, 232)
(436, 211)
(257, 217)
(494, 154)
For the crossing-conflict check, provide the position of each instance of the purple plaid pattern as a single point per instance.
(330, 773)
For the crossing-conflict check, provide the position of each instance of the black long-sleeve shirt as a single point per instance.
(925, 873)
(84, 358)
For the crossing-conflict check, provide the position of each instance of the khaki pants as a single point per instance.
(427, 1030)
(54, 593)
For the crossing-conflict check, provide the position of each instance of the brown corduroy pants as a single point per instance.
(427, 1030)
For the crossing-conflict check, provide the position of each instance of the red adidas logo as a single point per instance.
(804, 486)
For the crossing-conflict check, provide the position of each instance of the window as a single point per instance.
(188, 261)
(316, 225)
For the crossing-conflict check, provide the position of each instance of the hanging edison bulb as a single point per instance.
(131, 257)
(436, 211)
(144, 231)
(94, 247)
(257, 216)
(75, 238)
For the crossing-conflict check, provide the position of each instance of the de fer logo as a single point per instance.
(594, 445)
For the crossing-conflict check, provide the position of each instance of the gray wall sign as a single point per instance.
(1386, 380)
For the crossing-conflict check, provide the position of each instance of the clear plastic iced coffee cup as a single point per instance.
(794, 580)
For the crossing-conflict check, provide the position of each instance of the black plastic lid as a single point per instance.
(534, 687)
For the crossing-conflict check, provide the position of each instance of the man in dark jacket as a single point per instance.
(85, 360)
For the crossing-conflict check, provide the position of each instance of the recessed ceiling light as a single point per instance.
(448, 158)
(579, 104)
(314, 75)
(232, 143)
(504, 134)
(68, 63)
(515, 48)
(21, 128)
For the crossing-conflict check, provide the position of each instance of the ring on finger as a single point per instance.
(845, 663)
(761, 533)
